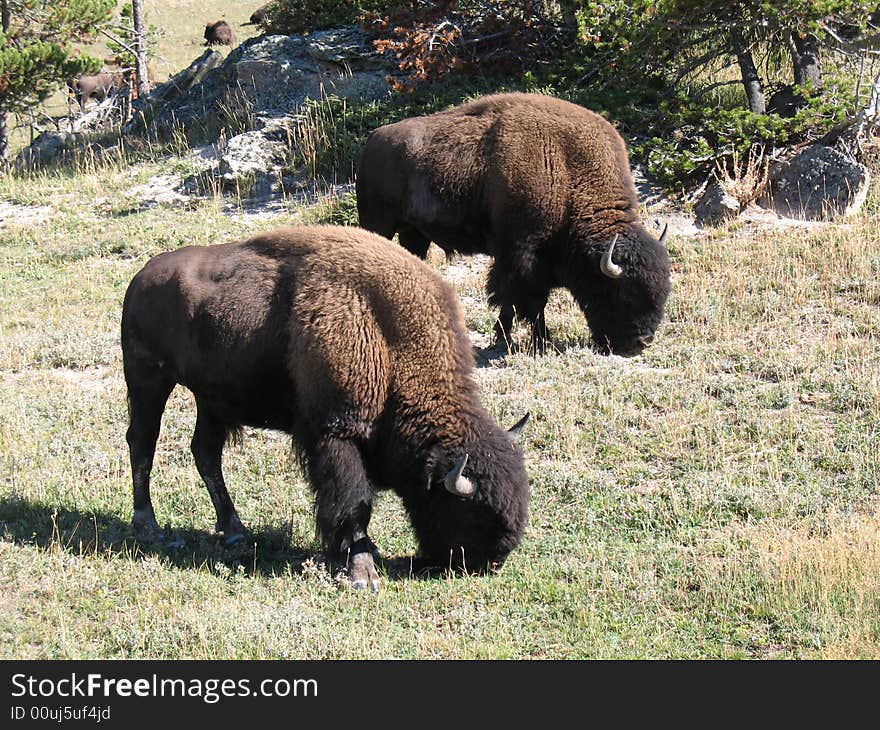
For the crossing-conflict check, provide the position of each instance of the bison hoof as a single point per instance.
(234, 538)
(362, 572)
(146, 529)
(233, 531)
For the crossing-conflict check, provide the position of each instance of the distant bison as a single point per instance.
(542, 185)
(262, 14)
(357, 349)
(219, 34)
(95, 86)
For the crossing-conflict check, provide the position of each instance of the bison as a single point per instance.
(95, 86)
(359, 351)
(262, 14)
(541, 185)
(219, 34)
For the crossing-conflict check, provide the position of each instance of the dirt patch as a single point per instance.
(24, 215)
(93, 380)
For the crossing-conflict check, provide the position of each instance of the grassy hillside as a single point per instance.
(177, 36)
(714, 497)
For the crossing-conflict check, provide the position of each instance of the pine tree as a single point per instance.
(37, 52)
(694, 34)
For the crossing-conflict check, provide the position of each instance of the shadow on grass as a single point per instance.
(495, 354)
(268, 552)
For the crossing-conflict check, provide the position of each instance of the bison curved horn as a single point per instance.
(662, 238)
(516, 429)
(457, 484)
(608, 267)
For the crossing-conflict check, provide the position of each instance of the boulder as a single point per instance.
(272, 75)
(261, 88)
(817, 184)
(44, 148)
(715, 207)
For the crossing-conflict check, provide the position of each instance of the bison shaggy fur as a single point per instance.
(356, 348)
(219, 34)
(541, 185)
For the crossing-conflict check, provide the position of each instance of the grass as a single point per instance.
(714, 497)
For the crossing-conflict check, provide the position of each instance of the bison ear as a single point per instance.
(518, 427)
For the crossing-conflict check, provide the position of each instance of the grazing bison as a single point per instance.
(261, 15)
(95, 86)
(219, 34)
(541, 185)
(357, 349)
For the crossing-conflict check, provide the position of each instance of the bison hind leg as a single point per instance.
(207, 449)
(148, 391)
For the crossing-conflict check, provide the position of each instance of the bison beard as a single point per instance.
(354, 347)
(541, 185)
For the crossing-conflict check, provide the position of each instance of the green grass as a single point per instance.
(714, 497)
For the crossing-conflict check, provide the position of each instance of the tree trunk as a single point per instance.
(140, 46)
(569, 14)
(4, 131)
(805, 57)
(4, 134)
(751, 80)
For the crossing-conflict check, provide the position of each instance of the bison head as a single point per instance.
(624, 295)
(475, 505)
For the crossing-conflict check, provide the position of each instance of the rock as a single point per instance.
(258, 159)
(715, 207)
(817, 184)
(261, 88)
(184, 80)
(273, 75)
(44, 148)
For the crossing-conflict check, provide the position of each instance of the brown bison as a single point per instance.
(95, 86)
(357, 349)
(540, 184)
(219, 34)
(261, 15)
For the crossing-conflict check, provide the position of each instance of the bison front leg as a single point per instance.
(344, 503)
(511, 292)
(207, 450)
(413, 241)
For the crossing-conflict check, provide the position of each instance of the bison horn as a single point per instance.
(457, 484)
(608, 267)
(518, 427)
(662, 238)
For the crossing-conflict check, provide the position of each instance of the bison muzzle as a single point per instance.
(541, 185)
(355, 348)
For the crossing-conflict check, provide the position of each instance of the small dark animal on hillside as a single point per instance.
(786, 102)
(542, 185)
(219, 34)
(261, 14)
(357, 349)
(95, 86)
